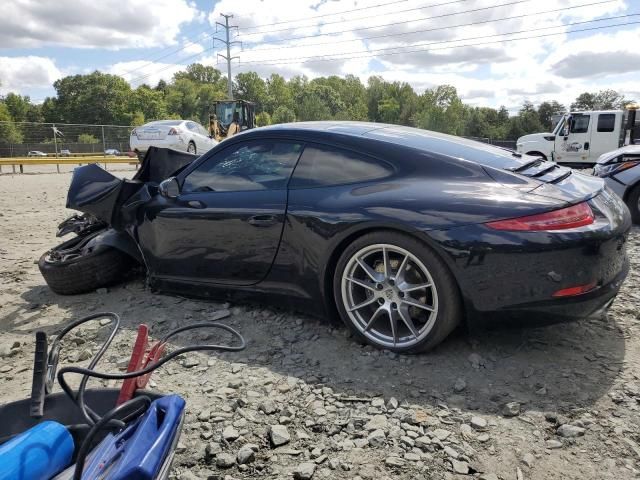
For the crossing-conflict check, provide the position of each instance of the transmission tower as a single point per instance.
(227, 30)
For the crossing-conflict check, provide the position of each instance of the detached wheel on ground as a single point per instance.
(72, 267)
(633, 202)
(395, 292)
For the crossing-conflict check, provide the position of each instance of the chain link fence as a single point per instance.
(510, 144)
(17, 139)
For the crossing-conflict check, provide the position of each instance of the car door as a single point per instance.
(195, 137)
(605, 135)
(225, 225)
(573, 142)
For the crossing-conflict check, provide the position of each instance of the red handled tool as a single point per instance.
(139, 362)
(129, 386)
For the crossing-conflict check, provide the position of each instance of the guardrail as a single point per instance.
(21, 162)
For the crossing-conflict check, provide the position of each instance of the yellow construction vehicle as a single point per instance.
(228, 117)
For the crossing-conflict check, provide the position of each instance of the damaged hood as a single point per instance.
(114, 200)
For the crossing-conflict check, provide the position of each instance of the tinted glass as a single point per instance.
(606, 122)
(255, 165)
(320, 166)
(579, 124)
(192, 126)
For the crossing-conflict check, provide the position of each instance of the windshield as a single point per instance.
(224, 112)
(164, 122)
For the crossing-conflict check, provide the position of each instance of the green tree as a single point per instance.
(283, 114)
(97, 98)
(263, 119)
(546, 111)
(527, 121)
(18, 106)
(87, 138)
(249, 86)
(149, 102)
(602, 100)
(278, 94)
(441, 110)
(9, 133)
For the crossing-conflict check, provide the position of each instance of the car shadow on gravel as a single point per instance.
(559, 367)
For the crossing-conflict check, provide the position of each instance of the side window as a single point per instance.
(320, 165)
(192, 126)
(606, 122)
(252, 165)
(579, 124)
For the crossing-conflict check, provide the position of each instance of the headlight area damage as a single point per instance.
(104, 248)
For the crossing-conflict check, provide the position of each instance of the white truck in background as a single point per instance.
(579, 138)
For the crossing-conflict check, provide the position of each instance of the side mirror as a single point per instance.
(169, 188)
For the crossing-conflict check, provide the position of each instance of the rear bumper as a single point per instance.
(143, 145)
(590, 304)
(515, 274)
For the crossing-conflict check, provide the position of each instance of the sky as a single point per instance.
(495, 52)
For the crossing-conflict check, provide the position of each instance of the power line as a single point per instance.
(429, 29)
(193, 41)
(370, 16)
(166, 67)
(321, 58)
(325, 15)
(397, 23)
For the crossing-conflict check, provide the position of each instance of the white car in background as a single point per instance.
(183, 135)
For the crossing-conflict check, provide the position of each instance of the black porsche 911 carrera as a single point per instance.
(401, 232)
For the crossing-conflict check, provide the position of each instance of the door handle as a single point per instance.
(262, 220)
(586, 145)
(196, 204)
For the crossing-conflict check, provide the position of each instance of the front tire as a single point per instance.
(395, 292)
(633, 202)
(68, 269)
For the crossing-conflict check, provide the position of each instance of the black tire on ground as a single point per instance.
(450, 309)
(633, 202)
(101, 267)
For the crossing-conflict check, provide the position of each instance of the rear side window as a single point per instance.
(606, 122)
(322, 165)
(579, 124)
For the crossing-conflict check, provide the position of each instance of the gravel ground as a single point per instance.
(305, 401)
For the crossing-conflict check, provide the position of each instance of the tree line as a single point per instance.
(100, 98)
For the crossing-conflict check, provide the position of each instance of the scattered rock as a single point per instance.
(511, 409)
(377, 422)
(245, 455)
(459, 467)
(478, 423)
(394, 462)
(230, 434)
(570, 431)
(528, 459)
(377, 438)
(460, 385)
(279, 435)
(225, 460)
(553, 444)
(304, 471)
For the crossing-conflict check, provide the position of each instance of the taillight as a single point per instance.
(577, 290)
(174, 131)
(565, 218)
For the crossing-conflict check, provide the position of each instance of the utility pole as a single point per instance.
(228, 43)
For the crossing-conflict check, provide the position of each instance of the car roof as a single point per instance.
(416, 138)
(626, 150)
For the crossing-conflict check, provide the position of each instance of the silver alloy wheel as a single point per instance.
(191, 148)
(389, 295)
